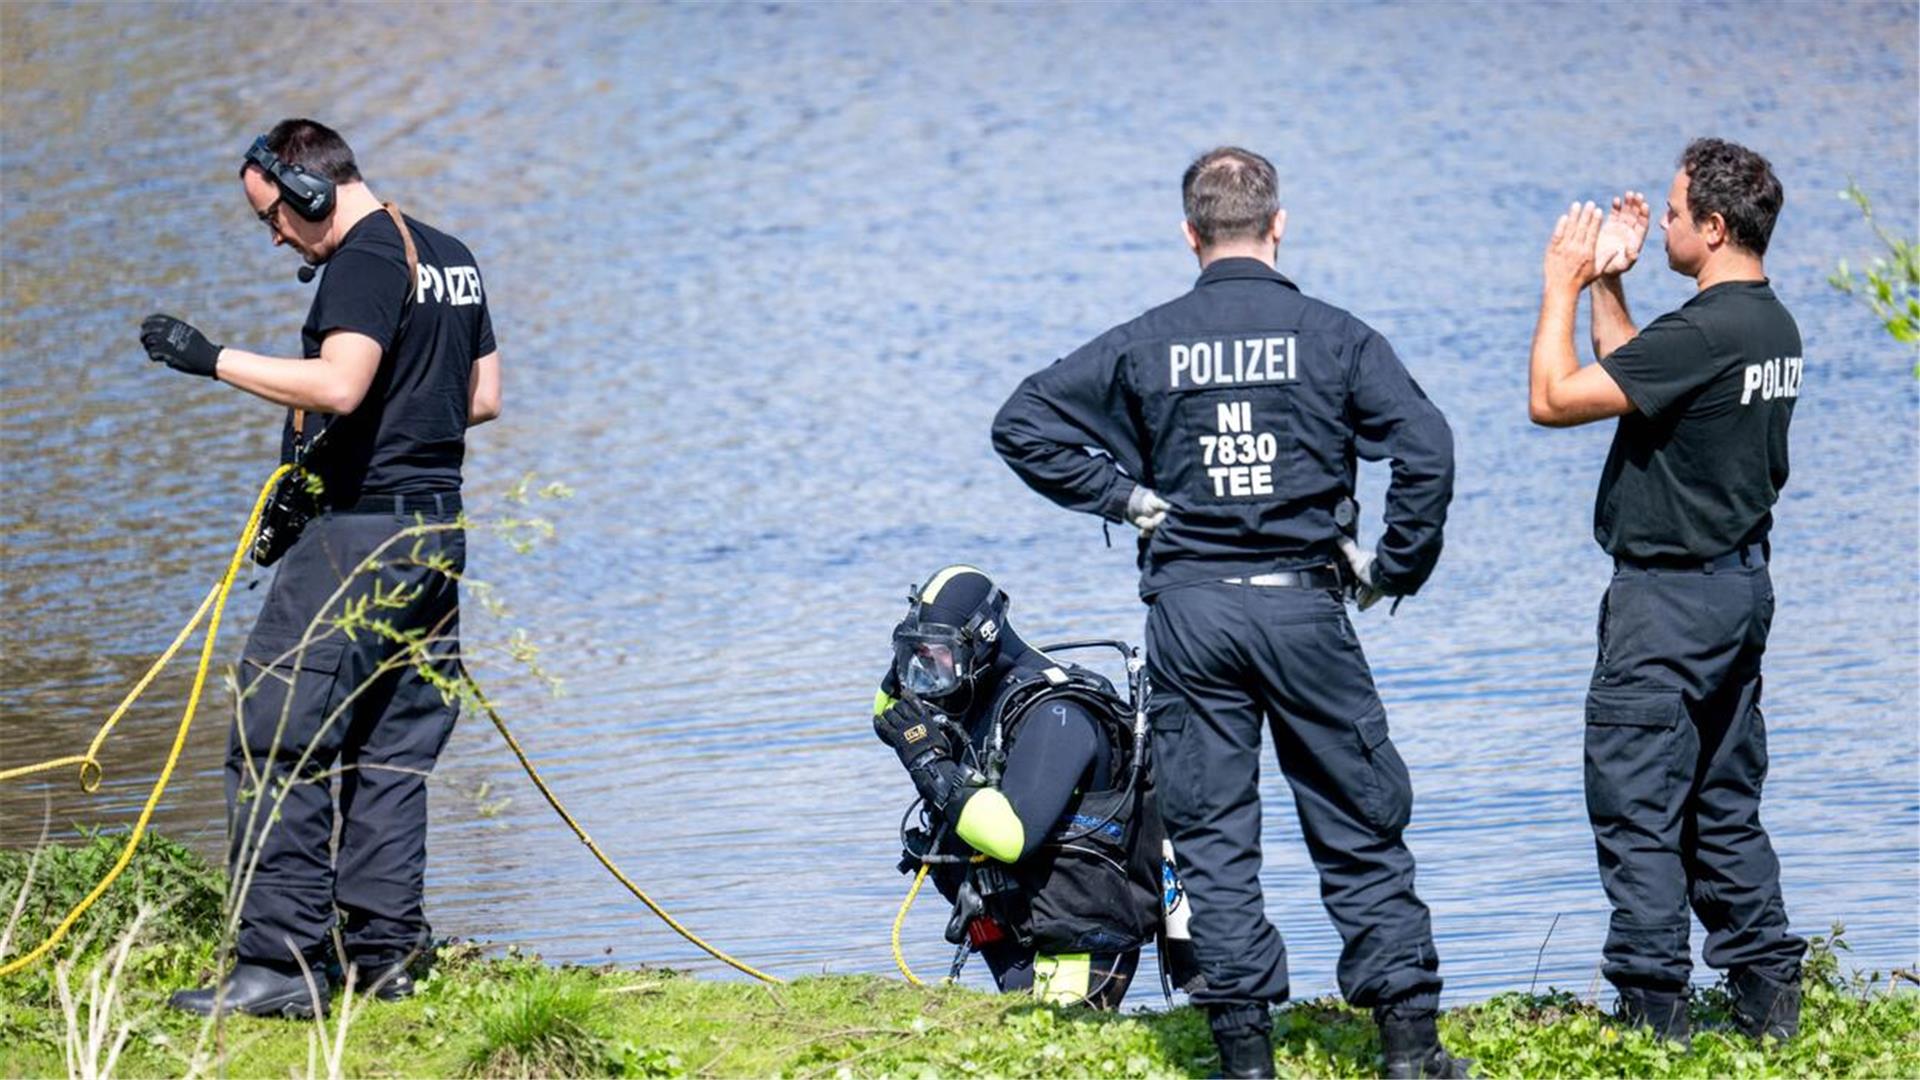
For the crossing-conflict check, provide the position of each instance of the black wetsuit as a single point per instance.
(1060, 752)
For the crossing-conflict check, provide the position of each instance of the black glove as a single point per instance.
(915, 732)
(177, 345)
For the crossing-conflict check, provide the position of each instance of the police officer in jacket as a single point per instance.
(1023, 760)
(1226, 425)
(398, 361)
(1676, 746)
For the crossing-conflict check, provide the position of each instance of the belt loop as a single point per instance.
(438, 508)
(399, 505)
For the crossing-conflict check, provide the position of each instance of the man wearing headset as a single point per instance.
(1019, 759)
(398, 360)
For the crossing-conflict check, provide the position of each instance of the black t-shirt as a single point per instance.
(409, 434)
(1695, 470)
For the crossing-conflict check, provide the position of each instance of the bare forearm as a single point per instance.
(313, 384)
(1554, 358)
(1612, 325)
(483, 390)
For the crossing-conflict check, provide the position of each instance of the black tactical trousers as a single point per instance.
(1676, 752)
(1227, 660)
(317, 703)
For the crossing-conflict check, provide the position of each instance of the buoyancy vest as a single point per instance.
(1094, 883)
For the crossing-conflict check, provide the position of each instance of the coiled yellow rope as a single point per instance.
(89, 762)
(218, 602)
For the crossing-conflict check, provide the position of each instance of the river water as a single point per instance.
(762, 274)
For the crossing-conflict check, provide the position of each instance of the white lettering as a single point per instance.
(1254, 360)
(1779, 377)
(1239, 460)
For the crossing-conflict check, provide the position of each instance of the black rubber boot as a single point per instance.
(1244, 1036)
(1663, 1012)
(258, 990)
(1763, 1006)
(392, 982)
(1410, 1044)
(392, 976)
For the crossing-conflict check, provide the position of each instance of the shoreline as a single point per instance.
(486, 1012)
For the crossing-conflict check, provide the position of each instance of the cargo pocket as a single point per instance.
(1388, 790)
(1177, 777)
(292, 696)
(1633, 760)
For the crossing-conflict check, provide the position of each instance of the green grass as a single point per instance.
(509, 1014)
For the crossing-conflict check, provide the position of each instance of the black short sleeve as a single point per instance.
(483, 342)
(363, 292)
(1663, 364)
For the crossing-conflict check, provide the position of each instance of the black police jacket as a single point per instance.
(1244, 404)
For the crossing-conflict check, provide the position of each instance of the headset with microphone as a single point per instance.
(308, 194)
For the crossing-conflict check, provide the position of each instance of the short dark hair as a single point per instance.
(314, 147)
(1230, 194)
(1730, 180)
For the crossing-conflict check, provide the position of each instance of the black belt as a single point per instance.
(437, 502)
(1748, 555)
(1315, 577)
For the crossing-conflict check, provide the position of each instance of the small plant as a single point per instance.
(96, 1030)
(548, 1024)
(1891, 285)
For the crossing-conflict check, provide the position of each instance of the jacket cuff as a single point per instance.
(1114, 506)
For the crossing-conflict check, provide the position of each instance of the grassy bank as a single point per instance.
(481, 1014)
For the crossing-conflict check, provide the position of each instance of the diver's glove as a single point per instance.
(1146, 509)
(915, 731)
(920, 736)
(178, 345)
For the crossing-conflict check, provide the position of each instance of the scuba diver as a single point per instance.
(1038, 820)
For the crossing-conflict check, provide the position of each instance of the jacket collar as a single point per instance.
(1240, 268)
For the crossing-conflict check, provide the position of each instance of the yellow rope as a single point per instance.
(900, 958)
(89, 762)
(216, 603)
(218, 599)
(554, 801)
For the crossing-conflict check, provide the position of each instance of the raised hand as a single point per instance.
(1569, 261)
(178, 345)
(1622, 235)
